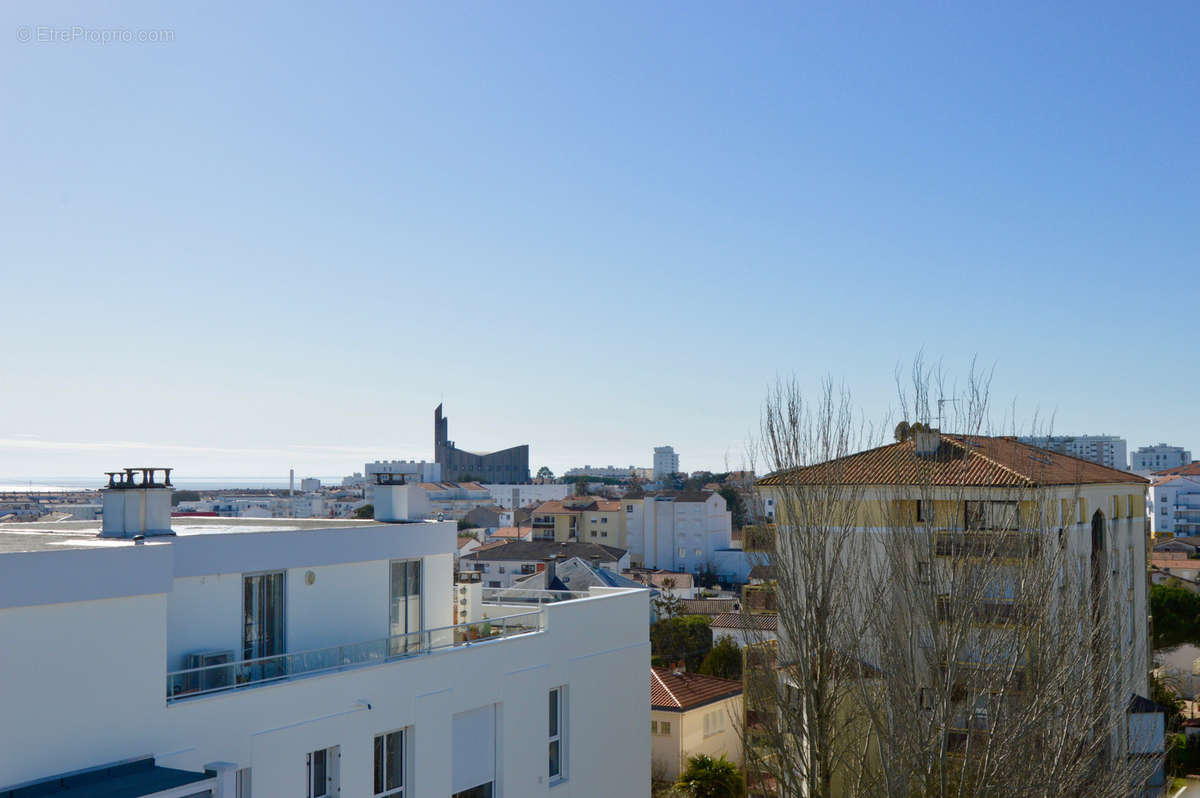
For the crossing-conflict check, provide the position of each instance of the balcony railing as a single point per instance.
(517, 595)
(192, 682)
(1005, 545)
(998, 612)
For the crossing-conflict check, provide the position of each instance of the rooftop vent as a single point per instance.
(137, 503)
(396, 500)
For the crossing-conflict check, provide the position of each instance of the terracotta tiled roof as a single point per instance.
(558, 507)
(706, 606)
(761, 621)
(682, 581)
(1191, 469)
(510, 532)
(532, 550)
(684, 691)
(960, 460)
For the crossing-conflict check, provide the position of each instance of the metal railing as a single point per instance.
(537, 597)
(211, 679)
(988, 543)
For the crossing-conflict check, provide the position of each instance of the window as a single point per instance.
(925, 696)
(629, 508)
(501, 569)
(405, 616)
(664, 727)
(262, 630)
(555, 736)
(697, 552)
(654, 727)
(604, 534)
(482, 791)
(389, 764)
(322, 772)
(682, 552)
(714, 722)
(923, 511)
(991, 515)
(604, 520)
(923, 575)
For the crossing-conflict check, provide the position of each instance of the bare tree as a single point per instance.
(946, 627)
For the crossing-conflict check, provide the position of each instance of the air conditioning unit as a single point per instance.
(212, 678)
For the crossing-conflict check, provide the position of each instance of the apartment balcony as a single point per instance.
(988, 543)
(989, 612)
(245, 674)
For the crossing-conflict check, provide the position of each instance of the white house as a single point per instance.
(512, 497)
(1175, 505)
(228, 657)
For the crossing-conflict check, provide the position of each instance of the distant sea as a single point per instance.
(66, 484)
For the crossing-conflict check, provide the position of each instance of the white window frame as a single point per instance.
(404, 762)
(330, 789)
(557, 733)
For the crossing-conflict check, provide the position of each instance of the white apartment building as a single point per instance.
(210, 658)
(1175, 506)
(1107, 450)
(500, 566)
(666, 462)
(602, 472)
(677, 531)
(512, 497)
(1148, 459)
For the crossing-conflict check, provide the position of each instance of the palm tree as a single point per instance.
(706, 777)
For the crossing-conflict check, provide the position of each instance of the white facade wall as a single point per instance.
(89, 686)
(502, 573)
(678, 535)
(512, 497)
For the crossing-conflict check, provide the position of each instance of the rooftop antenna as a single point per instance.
(941, 403)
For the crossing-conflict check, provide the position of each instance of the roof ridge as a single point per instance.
(663, 685)
(961, 441)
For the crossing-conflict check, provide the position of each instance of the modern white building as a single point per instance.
(677, 531)
(601, 472)
(666, 462)
(217, 658)
(501, 565)
(1148, 459)
(1175, 506)
(512, 497)
(310, 484)
(1107, 450)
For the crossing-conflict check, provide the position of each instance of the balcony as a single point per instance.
(756, 538)
(992, 612)
(987, 543)
(220, 678)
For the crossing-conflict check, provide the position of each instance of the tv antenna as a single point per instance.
(941, 403)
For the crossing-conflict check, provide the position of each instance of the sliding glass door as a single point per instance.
(262, 630)
(406, 606)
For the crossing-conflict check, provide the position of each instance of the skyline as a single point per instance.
(282, 237)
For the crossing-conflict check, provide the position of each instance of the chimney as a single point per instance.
(396, 500)
(596, 563)
(679, 668)
(136, 503)
(550, 571)
(291, 482)
(926, 442)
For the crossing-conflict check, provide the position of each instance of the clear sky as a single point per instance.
(281, 237)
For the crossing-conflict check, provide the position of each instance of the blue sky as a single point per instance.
(280, 238)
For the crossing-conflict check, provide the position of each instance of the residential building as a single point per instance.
(507, 533)
(666, 462)
(212, 658)
(502, 563)
(712, 607)
(745, 628)
(1190, 470)
(1149, 459)
(678, 530)
(1175, 506)
(977, 490)
(692, 714)
(512, 497)
(505, 466)
(456, 499)
(1107, 450)
(675, 584)
(601, 472)
(582, 519)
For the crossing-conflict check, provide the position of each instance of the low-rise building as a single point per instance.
(581, 519)
(1175, 506)
(502, 563)
(677, 530)
(692, 714)
(512, 497)
(212, 658)
(745, 628)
